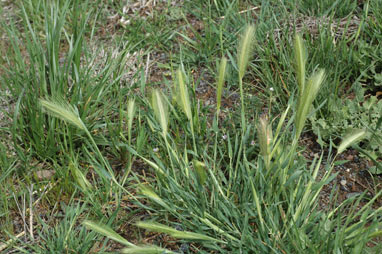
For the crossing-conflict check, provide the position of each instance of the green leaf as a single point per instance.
(130, 114)
(306, 99)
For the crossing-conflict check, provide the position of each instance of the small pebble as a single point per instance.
(350, 157)
(179, 228)
(184, 248)
(343, 182)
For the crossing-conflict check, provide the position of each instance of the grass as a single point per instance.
(136, 161)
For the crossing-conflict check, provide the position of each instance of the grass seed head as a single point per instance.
(264, 135)
(130, 112)
(300, 58)
(220, 82)
(80, 177)
(245, 49)
(351, 138)
(307, 98)
(63, 111)
(183, 98)
(160, 110)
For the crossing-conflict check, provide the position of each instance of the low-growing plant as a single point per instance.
(67, 236)
(357, 113)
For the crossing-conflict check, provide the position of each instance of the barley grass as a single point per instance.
(120, 157)
(64, 111)
(220, 83)
(244, 54)
(160, 109)
(351, 138)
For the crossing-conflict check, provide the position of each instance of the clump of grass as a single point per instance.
(230, 198)
(229, 203)
(68, 113)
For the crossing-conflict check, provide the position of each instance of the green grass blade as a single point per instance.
(201, 172)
